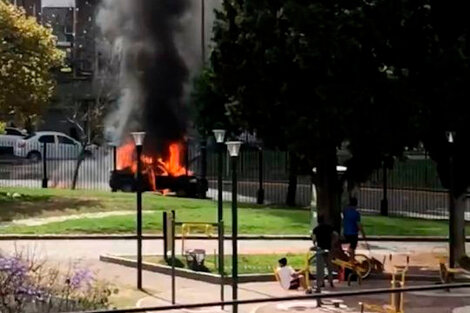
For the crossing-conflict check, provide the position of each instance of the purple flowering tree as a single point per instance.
(28, 285)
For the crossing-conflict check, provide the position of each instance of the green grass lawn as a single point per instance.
(253, 219)
(247, 264)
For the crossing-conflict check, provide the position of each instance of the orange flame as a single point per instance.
(172, 167)
(152, 165)
(126, 157)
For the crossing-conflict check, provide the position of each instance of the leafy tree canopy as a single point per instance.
(308, 76)
(379, 75)
(27, 54)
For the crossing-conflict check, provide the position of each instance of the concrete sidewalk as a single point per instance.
(87, 252)
(190, 291)
(91, 249)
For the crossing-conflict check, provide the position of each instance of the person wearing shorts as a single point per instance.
(352, 226)
(352, 241)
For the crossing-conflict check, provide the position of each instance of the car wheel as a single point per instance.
(34, 156)
(127, 188)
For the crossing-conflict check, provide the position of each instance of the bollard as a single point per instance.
(44, 166)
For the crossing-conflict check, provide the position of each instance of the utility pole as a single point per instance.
(204, 139)
(74, 42)
(203, 31)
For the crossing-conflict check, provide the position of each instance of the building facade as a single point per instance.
(32, 7)
(74, 24)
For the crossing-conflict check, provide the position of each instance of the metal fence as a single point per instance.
(414, 188)
(274, 173)
(413, 185)
(58, 168)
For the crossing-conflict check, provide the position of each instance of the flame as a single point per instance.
(126, 156)
(152, 165)
(173, 167)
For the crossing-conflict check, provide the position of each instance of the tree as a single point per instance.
(438, 68)
(88, 120)
(306, 77)
(426, 47)
(209, 104)
(27, 56)
(377, 75)
(89, 117)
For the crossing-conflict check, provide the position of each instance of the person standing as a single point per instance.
(352, 226)
(324, 235)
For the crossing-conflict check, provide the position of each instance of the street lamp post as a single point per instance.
(139, 142)
(234, 149)
(450, 139)
(219, 135)
(114, 157)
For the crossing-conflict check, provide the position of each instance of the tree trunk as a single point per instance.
(457, 228)
(80, 159)
(328, 189)
(29, 125)
(292, 187)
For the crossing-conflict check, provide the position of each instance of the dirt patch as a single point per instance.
(45, 206)
(63, 218)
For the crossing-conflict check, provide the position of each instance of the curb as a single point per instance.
(186, 273)
(243, 278)
(203, 237)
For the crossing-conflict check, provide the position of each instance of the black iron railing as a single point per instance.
(414, 189)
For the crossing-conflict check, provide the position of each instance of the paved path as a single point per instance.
(190, 291)
(91, 249)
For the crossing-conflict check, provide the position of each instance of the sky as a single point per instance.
(58, 3)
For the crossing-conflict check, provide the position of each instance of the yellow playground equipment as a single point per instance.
(194, 228)
(446, 273)
(361, 266)
(396, 299)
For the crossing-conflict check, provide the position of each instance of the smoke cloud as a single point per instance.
(150, 39)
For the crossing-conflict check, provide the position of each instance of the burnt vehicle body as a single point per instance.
(183, 186)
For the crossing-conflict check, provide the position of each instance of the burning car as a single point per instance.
(160, 175)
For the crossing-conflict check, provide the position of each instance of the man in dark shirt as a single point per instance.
(323, 240)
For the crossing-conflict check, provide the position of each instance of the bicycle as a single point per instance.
(361, 266)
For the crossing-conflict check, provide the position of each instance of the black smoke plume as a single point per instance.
(153, 72)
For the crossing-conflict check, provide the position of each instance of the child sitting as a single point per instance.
(288, 277)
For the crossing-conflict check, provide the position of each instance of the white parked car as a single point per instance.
(59, 146)
(10, 138)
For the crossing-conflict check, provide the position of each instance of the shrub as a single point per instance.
(33, 286)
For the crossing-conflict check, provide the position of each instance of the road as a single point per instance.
(402, 202)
